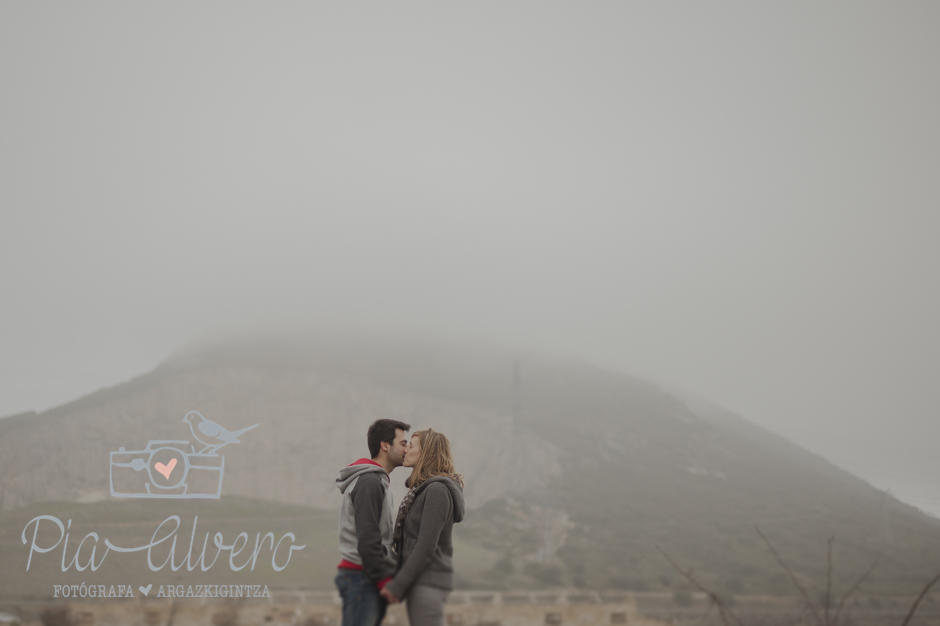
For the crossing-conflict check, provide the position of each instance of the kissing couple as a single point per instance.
(387, 558)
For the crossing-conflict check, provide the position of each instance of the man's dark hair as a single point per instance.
(383, 430)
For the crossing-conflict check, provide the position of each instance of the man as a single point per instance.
(367, 524)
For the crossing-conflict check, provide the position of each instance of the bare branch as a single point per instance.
(919, 598)
(799, 587)
(828, 595)
(851, 590)
(723, 611)
(708, 612)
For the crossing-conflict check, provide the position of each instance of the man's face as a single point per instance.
(396, 454)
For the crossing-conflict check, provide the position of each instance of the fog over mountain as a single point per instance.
(738, 202)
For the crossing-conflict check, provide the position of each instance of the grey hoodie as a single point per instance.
(366, 519)
(427, 549)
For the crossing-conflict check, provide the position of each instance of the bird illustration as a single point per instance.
(202, 427)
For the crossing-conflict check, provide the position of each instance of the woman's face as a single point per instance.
(412, 452)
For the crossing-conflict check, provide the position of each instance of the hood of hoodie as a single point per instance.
(351, 472)
(456, 492)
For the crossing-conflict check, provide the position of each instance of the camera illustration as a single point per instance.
(173, 468)
(166, 469)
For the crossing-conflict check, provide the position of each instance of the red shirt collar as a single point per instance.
(364, 462)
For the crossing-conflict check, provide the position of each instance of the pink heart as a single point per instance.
(167, 469)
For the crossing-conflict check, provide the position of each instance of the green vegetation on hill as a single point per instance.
(134, 522)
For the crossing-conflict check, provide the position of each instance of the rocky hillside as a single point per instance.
(573, 473)
(313, 404)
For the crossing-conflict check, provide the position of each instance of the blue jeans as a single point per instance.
(362, 604)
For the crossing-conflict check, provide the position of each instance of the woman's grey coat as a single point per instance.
(427, 549)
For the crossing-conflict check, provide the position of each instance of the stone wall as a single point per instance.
(581, 608)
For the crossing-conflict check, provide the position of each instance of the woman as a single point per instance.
(426, 517)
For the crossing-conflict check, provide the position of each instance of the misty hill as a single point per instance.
(573, 473)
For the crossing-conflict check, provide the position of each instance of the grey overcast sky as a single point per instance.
(736, 199)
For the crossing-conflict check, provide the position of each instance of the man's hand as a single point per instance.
(388, 595)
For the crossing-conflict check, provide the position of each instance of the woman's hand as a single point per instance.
(388, 595)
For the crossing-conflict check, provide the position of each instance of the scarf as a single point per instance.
(403, 509)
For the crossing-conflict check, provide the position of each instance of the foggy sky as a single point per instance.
(736, 200)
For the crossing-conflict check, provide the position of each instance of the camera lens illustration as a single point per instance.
(175, 468)
(168, 467)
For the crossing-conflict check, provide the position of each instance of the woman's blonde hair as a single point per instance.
(435, 459)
